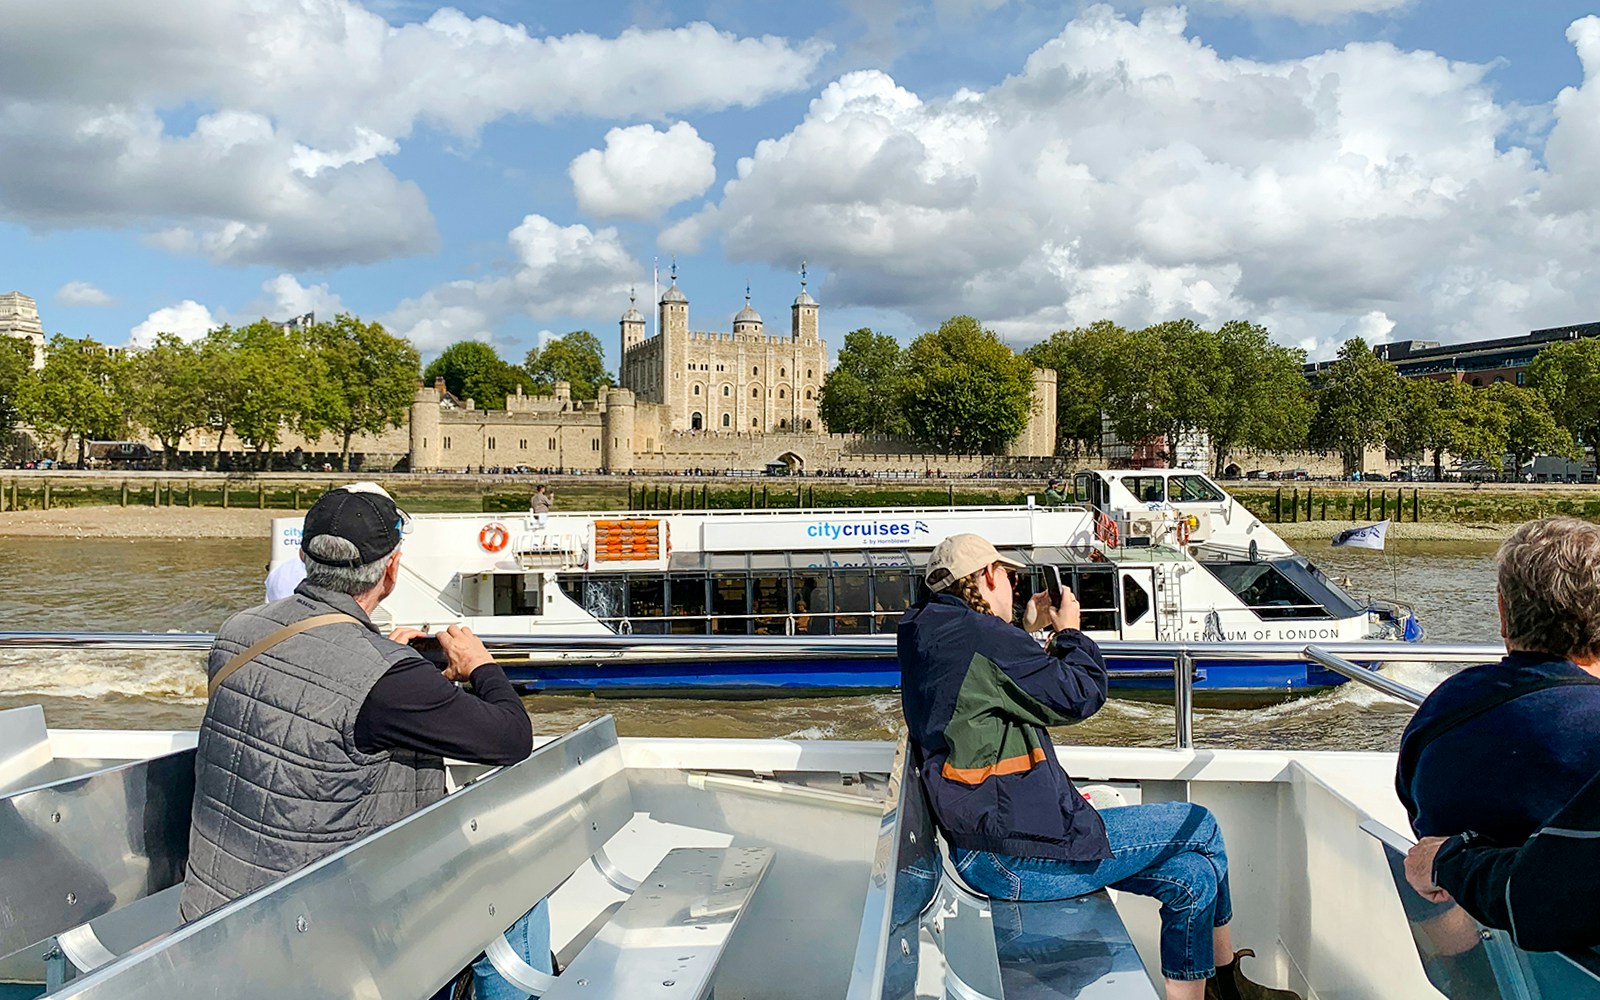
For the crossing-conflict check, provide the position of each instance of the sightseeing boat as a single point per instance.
(746, 601)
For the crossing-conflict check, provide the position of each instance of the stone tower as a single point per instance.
(747, 322)
(618, 430)
(632, 325)
(803, 324)
(426, 440)
(674, 350)
(19, 318)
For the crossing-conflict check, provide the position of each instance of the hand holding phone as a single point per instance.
(1052, 581)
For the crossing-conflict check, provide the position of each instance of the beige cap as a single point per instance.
(960, 555)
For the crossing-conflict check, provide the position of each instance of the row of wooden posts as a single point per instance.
(692, 497)
(164, 495)
(1355, 511)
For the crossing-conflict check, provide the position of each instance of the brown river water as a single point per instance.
(165, 585)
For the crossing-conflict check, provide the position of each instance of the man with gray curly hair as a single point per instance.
(1499, 748)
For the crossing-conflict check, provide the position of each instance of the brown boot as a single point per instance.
(1230, 983)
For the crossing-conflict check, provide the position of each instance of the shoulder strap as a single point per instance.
(261, 646)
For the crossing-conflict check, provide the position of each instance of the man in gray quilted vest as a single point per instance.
(319, 730)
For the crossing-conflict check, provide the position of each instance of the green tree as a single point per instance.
(577, 358)
(1476, 425)
(367, 380)
(166, 392)
(1356, 404)
(76, 394)
(1157, 387)
(963, 390)
(16, 368)
(225, 383)
(1530, 427)
(283, 372)
(1083, 360)
(1568, 376)
(866, 376)
(474, 370)
(1256, 396)
(1421, 422)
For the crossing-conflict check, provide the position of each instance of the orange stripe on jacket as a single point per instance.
(1011, 765)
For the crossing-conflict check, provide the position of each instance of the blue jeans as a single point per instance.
(1170, 850)
(530, 938)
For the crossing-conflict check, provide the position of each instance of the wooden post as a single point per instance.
(47, 494)
(1294, 505)
(224, 494)
(752, 504)
(951, 487)
(764, 496)
(124, 493)
(1277, 507)
(188, 493)
(799, 496)
(1324, 508)
(297, 497)
(1383, 504)
(1416, 504)
(1369, 503)
(1308, 503)
(261, 496)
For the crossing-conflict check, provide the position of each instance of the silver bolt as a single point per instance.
(300, 923)
(669, 982)
(583, 982)
(474, 824)
(905, 947)
(55, 817)
(72, 899)
(913, 836)
(491, 909)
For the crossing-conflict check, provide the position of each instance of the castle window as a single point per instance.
(754, 370)
(491, 444)
(552, 444)
(783, 424)
(727, 390)
(754, 422)
(755, 393)
(808, 425)
(446, 444)
(808, 373)
(780, 394)
(523, 444)
(594, 445)
(727, 420)
(697, 389)
(782, 372)
(696, 422)
(808, 393)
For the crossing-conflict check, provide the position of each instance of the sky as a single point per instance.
(508, 171)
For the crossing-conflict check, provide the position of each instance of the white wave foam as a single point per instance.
(168, 676)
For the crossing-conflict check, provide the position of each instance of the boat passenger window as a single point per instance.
(1081, 491)
(1267, 592)
(688, 603)
(1096, 594)
(572, 587)
(813, 603)
(1147, 489)
(602, 596)
(647, 604)
(1193, 489)
(730, 603)
(1135, 600)
(892, 591)
(769, 598)
(852, 597)
(518, 594)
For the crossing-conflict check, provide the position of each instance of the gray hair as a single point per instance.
(1549, 574)
(352, 580)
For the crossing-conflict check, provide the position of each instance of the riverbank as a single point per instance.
(1421, 531)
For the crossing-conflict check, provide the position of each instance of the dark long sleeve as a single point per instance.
(1543, 892)
(1068, 678)
(413, 707)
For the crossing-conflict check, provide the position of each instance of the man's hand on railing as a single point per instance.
(1419, 869)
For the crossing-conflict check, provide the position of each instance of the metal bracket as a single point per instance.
(515, 970)
(615, 876)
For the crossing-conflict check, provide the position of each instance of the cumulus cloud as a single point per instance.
(559, 271)
(1128, 171)
(188, 319)
(304, 100)
(643, 172)
(81, 293)
(286, 297)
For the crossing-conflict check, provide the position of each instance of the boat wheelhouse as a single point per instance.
(1154, 555)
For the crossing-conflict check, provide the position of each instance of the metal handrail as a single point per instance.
(1376, 681)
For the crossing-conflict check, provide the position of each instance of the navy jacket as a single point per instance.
(977, 693)
(1503, 772)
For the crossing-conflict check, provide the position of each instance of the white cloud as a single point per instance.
(81, 293)
(643, 172)
(285, 298)
(560, 271)
(306, 99)
(188, 319)
(1130, 172)
(1314, 11)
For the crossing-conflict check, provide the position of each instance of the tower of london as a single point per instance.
(746, 381)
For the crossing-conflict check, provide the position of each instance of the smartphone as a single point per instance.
(1052, 581)
(430, 650)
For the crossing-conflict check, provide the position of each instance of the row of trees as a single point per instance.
(252, 382)
(960, 389)
(474, 370)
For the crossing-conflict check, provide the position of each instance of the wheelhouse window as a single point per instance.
(1267, 591)
(1147, 489)
(1135, 600)
(1193, 489)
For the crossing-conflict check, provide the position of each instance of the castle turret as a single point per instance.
(747, 322)
(426, 442)
(803, 324)
(674, 308)
(618, 430)
(632, 325)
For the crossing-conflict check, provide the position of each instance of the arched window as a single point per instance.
(696, 422)
(808, 393)
(783, 372)
(808, 425)
(755, 393)
(754, 422)
(727, 420)
(808, 373)
(780, 394)
(783, 424)
(727, 390)
(754, 370)
(697, 388)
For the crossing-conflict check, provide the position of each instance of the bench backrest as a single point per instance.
(24, 745)
(76, 848)
(398, 913)
(1500, 969)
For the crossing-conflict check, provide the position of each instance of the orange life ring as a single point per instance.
(1184, 527)
(1105, 529)
(494, 537)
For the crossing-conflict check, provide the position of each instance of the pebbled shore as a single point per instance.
(1421, 531)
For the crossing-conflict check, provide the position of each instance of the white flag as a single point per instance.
(1369, 537)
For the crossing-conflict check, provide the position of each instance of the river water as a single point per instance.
(161, 584)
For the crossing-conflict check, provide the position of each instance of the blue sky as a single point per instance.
(506, 170)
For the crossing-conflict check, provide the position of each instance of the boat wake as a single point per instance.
(173, 677)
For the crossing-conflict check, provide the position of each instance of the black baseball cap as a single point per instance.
(365, 517)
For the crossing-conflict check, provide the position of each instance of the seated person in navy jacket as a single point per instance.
(1497, 749)
(978, 693)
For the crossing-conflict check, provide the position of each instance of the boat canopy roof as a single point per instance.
(1047, 555)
